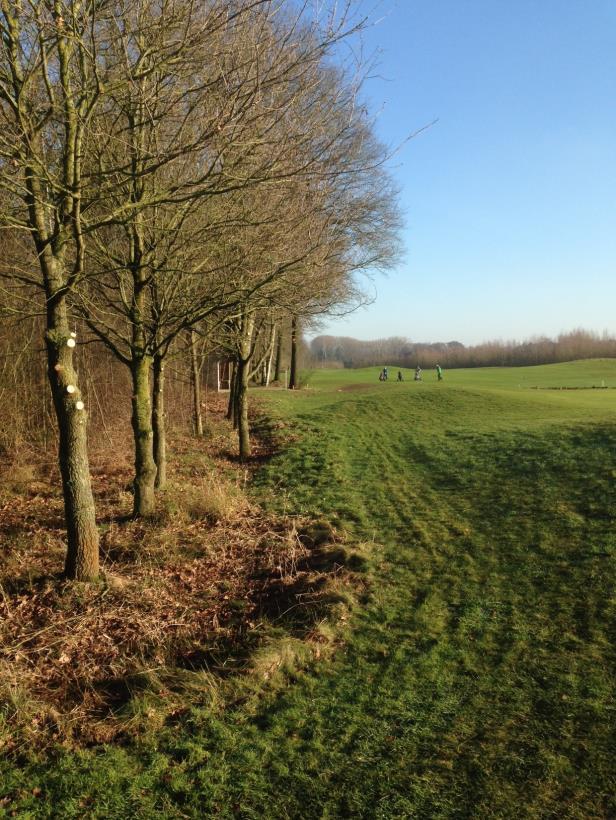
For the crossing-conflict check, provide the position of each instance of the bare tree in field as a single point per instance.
(50, 85)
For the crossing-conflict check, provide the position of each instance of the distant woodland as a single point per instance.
(341, 351)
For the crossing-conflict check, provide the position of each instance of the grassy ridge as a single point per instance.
(478, 681)
(494, 610)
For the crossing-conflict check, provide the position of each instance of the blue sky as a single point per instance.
(510, 198)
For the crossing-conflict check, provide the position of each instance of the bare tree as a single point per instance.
(50, 85)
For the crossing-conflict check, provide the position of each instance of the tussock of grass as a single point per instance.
(18, 477)
(208, 498)
(279, 660)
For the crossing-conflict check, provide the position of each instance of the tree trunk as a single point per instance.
(159, 423)
(235, 399)
(243, 368)
(207, 377)
(268, 367)
(293, 371)
(278, 358)
(145, 466)
(242, 409)
(196, 385)
(231, 403)
(82, 561)
(232, 408)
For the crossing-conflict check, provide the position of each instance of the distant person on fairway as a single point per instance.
(399, 375)
(418, 374)
(385, 373)
(439, 372)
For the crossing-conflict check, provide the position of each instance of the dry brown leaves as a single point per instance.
(178, 593)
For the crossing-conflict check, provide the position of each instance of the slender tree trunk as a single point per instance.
(196, 385)
(207, 378)
(242, 409)
(243, 368)
(82, 560)
(235, 408)
(159, 423)
(231, 403)
(293, 371)
(278, 358)
(145, 466)
(268, 366)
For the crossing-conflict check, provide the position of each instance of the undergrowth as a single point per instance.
(210, 585)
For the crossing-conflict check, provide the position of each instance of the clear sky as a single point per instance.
(510, 198)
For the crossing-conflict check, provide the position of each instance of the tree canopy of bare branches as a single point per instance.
(180, 167)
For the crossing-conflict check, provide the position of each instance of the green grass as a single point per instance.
(478, 681)
(583, 373)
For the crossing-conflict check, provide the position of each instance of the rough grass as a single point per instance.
(477, 680)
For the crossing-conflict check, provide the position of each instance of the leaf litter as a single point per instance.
(187, 591)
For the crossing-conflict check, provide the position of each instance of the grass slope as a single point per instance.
(478, 681)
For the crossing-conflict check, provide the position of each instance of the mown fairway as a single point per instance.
(479, 678)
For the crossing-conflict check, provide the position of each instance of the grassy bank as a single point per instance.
(478, 679)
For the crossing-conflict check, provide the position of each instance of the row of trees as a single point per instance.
(339, 351)
(178, 175)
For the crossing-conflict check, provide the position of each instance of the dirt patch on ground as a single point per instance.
(351, 388)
